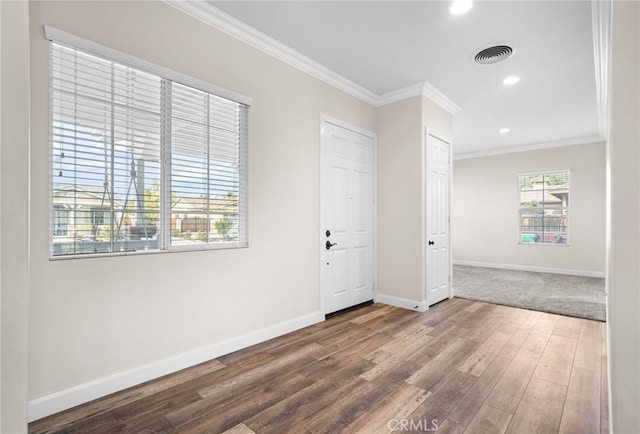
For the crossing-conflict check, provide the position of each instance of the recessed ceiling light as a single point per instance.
(459, 7)
(504, 130)
(512, 79)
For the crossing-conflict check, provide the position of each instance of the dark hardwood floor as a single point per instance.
(463, 366)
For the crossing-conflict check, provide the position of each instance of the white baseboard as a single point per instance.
(420, 306)
(566, 271)
(65, 399)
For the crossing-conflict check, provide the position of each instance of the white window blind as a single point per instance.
(141, 162)
(543, 202)
(206, 156)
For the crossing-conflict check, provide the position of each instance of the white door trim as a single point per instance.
(443, 137)
(321, 236)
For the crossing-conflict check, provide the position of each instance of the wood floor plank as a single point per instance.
(298, 338)
(337, 328)
(405, 324)
(101, 422)
(474, 307)
(589, 350)
(383, 310)
(354, 313)
(365, 346)
(149, 422)
(345, 334)
(568, 327)
(448, 427)
(398, 405)
(402, 347)
(239, 429)
(440, 341)
(489, 420)
(427, 417)
(362, 397)
(364, 341)
(508, 391)
(292, 413)
(143, 417)
(434, 372)
(484, 355)
(591, 325)
(384, 323)
(557, 360)
(442, 312)
(540, 409)
(259, 371)
(478, 318)
(582, 408)
(232, 412)
(451, 391)
(475, 397)
(320, 370)
(236, 389)
(447, 320)
(391, 373)
(493, 323)
(512, 347)
(336, 344)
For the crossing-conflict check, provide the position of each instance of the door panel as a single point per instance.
(339, 200)
(438, 223)
(347, 205)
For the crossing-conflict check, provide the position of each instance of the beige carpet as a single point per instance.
(582, 297)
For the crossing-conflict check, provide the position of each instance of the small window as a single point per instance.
(141, 162)
(543, 203)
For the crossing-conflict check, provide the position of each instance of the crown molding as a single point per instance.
(532, 147)
(425, 89)
(601, 23)
(439, 98)
(209, 14)
(400, 94)
(224, 22)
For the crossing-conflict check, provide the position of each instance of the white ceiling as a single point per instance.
(385, 46)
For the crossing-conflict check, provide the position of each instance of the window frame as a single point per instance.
(567, 216)
(165, 178)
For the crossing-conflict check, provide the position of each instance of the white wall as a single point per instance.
(399, 200)
(623, 265)
(14, 194)
(92, 318)
(485, 210)
(436, 120)
(401, 196)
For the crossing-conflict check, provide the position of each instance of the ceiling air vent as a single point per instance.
(494, 54)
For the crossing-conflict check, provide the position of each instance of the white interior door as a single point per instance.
(347, 217)
(438, 189)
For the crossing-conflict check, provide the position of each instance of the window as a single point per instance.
(544, 207)
(141, 161)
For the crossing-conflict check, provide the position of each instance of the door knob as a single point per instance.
(328, 244)
(431, 243)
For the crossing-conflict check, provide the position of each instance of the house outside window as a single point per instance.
(543, 204)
